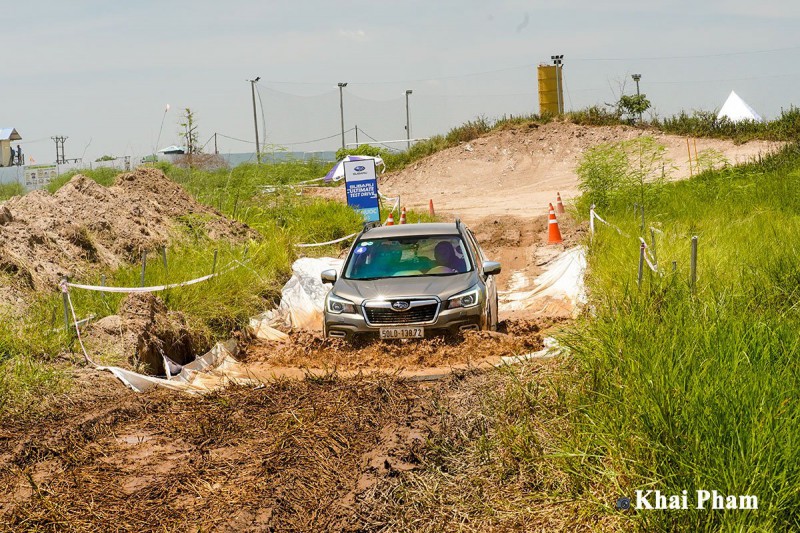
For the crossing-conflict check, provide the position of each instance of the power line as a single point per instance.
(697, 56)
(390, 82)
(337, 134)
(378, 142)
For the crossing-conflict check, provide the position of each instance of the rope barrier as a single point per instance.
(154, 288)
(312, 244)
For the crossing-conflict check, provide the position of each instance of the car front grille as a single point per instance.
(417, 314)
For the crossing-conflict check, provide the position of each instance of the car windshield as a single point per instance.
(408, 256)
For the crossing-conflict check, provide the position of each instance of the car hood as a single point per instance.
(442, 287)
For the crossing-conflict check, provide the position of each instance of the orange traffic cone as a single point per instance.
(431, 212)
(559, 204)
(403, 216)
(390, 220)
(554, 236)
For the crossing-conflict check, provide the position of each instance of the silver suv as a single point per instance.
(412, 281)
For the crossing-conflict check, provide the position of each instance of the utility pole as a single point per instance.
(255, 116)
(557, 59)
(60, 157)
(341, 108)
(636, 78)
(356, 135)
(408, 122)
(216, 151)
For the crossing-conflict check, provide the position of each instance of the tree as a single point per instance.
(633, 105)
(189, 131)
(105, 158)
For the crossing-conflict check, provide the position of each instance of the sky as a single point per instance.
(101, 73)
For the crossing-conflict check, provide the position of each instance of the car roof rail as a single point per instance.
(458, 223)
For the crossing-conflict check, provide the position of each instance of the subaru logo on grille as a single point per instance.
(400, 305)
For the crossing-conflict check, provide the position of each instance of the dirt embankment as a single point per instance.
(84, 227)
(519, 170)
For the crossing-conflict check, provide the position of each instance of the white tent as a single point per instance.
(736, 110)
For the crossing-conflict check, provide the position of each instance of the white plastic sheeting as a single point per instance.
(302, 299)
(214, 370)
(563, 280)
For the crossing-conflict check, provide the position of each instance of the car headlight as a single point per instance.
(337, 305)
(469, 298)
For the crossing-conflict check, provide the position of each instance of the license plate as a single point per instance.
(402, 333)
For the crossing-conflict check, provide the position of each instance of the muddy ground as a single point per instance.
(352, 446)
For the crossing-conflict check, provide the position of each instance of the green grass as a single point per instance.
(7, 190)
(682, 391)
(30, 342)
(103, 176)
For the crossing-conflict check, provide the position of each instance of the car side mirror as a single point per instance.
(491, 268)
(328, 276)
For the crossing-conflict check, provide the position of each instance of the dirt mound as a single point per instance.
(142, 334)
(518, 170)
(84, 225)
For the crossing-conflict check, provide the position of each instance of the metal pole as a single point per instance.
(356, 135)
(341, 108)
(255, 117)
(408, 122)
(693, 263)
(653, 239)
(144, 266)
(641, 264)
(636, 78)
(65, 301)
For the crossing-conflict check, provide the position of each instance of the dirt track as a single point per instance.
(321, 453)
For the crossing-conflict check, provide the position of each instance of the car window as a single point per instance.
(437, 255)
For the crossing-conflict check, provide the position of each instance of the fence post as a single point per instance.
(642, 229)
(214, 265)
(641, 263)
(693, 263)
(65, 301)
(144, 266)
(591, 222)
(164, 258)
(674, 266)
(653, 239)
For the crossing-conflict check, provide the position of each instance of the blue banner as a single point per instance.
(361, 185)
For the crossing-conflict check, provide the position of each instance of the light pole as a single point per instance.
(341, 108)
(636, 78)
(408, 121)
(559, 99)
(255, 116)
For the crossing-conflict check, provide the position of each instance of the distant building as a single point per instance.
(9, 156)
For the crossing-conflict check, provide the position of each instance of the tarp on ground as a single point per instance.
(736, 110)
(562, 280)
(216, 369)
(302, 299)
(337, 172)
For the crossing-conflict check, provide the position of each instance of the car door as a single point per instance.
(491, 283)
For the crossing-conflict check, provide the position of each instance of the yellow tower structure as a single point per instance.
(551, 90)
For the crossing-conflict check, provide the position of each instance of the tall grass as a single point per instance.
(685, 390)
(7, 190)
